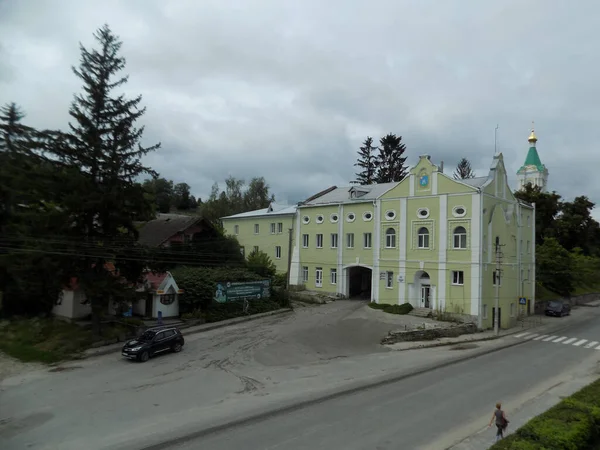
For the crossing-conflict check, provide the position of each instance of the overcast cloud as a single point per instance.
(288, 89)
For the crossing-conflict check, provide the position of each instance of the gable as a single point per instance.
(497, 184)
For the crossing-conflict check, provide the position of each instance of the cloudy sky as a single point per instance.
(288, 89)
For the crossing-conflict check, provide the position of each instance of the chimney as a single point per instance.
(442, 166)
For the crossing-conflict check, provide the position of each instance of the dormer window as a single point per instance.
(357, 193)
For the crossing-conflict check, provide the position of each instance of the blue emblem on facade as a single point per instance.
(424, 180)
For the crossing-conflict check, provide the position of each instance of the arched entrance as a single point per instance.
(423, 288)
(359, 282)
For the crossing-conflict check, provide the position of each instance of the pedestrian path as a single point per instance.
(562, 340)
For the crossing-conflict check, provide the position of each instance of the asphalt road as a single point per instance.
(429, 411)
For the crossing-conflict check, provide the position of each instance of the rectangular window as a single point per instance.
(319, 277)
(273, 228)
(305, 240)
(521, 246)
(333, 276)
(256, 228)
(460, 238)
(236, 229)
(242, 251)
(255, 250)
(390, 238)
(319, 241)
(334, 240)
(496, 278)
(304, 274)
(423, 238)
(367, 237)
(350, 240)
(278, 252)
(528, 274)
(522, 275)
(484, 311)
(280, 227)
(512, 310)
(528, 221)
(458, 277)
(389, 279)
(528, 247)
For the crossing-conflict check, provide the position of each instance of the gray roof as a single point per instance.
(475, 182)
(157, 231)
(274, 209)
(342, 194)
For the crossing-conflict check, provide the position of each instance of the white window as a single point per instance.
(512, 309)
(350, 240)
(242, 251)
(528, 274)
(305, 240)
(319, 241)
(304, 274)
(390, 238)
(334, 240)
(496, 278)
(423, 236)
(368, 238)
(278, 252)
(484, 311)
(521, 245)
(320, 218)
(273, 228)
(522, 275)
(528, 246)
(319, 277)
(255, 249)
(256, 228)
(528, 221)
(458, 277)
(333, 276)
(389, 279)
(460, 237)
(280, 227)
(236, 229)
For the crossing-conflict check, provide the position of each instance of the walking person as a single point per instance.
(501, 421)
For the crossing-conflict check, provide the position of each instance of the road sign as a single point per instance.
(522, 301)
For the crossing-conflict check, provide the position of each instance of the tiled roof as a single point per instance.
(274, 209)
(165, 226)
(342, 194)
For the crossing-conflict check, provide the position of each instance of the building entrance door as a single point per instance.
(425, 293)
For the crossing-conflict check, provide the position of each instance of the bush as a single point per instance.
(260, 263)
(573, 424)
(279, 280)
(404, 308)
(199, 284)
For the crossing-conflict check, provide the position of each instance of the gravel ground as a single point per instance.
(10, 367)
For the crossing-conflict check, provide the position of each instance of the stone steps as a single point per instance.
(421, 312)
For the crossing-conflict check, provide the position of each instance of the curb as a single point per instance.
(187, 331)
(340, 392)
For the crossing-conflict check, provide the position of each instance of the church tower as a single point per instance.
(533, 171)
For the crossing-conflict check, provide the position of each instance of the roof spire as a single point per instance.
(532, 137)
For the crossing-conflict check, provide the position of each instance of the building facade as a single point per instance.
(266, 230)
(533, 171)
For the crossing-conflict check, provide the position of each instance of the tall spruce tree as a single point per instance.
(391, 162)
(464, 170)
(105, 199)
(367, 161)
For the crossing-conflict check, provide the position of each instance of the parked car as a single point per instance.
(153, 341)
(558, 309)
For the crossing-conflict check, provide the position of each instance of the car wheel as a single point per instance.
(144, 357)
(177, 347)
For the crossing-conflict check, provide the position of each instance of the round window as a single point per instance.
(390, 214)
(319, 219)
(334, 218)
(423, 213)
(459, 211)
(367, 216)
(351, 217)
(306, 219)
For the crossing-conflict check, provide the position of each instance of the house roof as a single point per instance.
(74, 281)
(274, 209)
(165, 226)
(533, 159)
(155, 279)
(342, 194)
(475, 182)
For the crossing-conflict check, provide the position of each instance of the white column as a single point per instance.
(343, 279)
(411, 187)
(532, 281)
(440, 301)
(402, 224)
(296, 265)
(434, 183)
(476, 249)
(376, 251)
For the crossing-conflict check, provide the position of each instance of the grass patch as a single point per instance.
(404, 308)
(573, 424)
(44, 340)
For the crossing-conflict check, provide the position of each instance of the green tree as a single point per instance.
(576, 228)
(260, 263)
(391, 162)
(183, 198)
(554, 267)
(105, 200)
(547, 208)
(464, 170)
(162, 192)
(257, 195)
(367, 161)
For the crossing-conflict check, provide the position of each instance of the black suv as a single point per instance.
(153, 341)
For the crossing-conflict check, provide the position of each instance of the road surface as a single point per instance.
(429, 411)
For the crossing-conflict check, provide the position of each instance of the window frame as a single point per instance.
(368, 235)
(305, 274)
(389, 279)
(333, 276)
(460, 236)
(349, 240)
(305, 240)
(458, 278)
(318, 277)
(423, 237)
(390, 236)
(319, 240)
(278, 252)
(272, 227)
(334, 240)
(256, 228)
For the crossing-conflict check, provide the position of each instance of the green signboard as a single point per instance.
(230, 291)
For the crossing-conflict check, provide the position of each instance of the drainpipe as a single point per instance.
(480, 300)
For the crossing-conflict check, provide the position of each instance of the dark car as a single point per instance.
(153, 341)
(558, 309)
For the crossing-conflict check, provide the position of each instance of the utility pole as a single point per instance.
(498, 273)
(290, 242)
